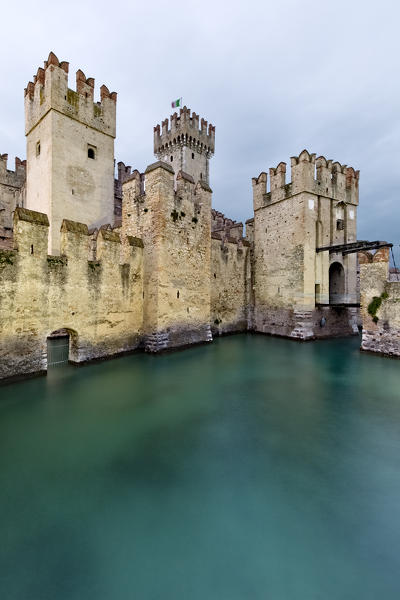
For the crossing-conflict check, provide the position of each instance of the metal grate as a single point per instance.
(57, 351)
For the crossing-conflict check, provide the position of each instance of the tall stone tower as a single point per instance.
(305, 276)
(186, 147)
(70, 149)
(174, 222)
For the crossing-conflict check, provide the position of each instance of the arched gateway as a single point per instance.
(336, 283)
(58, 347)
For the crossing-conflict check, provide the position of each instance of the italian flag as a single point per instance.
(176, 103)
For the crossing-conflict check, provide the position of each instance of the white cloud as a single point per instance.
(273, 78)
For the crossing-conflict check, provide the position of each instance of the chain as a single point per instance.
(394, 264)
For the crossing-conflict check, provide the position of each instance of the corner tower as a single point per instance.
(186, 146)
(305, 271)
(70, 149)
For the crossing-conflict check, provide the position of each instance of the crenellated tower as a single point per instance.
(70, 148)
(12, 193)
(187, 145)
(305, 278)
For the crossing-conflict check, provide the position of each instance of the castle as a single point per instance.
(143, 260)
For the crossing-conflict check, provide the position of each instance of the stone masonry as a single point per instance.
(99, 302)
(380, 304)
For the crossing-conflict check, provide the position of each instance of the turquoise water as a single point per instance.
(254, 468)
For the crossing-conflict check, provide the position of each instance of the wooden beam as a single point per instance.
(353, 247)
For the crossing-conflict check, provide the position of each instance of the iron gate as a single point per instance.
(57, 350)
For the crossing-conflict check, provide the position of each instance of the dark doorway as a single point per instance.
(336, 284)
(58, 348)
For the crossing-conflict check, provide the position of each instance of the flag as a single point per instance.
(176, 103)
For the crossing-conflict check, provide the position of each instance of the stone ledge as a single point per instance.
(204, 185)
(31, 216)
(74, 227)
(135, 241)
(110, 236)
(186, 176)
(160, 165)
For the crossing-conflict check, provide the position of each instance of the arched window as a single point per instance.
(91, 152)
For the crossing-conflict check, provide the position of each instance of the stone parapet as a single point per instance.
(317, 176)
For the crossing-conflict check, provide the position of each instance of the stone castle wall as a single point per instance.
(99, 302)
(159, 268)
(230, 284)
(380, 304)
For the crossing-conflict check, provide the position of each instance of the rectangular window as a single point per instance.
(340, 224)
(92, 151)
(37, 148)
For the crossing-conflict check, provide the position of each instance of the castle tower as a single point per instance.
(305, 279)
(174, 222)
(185, 146)
(70, 149)
(12, 192)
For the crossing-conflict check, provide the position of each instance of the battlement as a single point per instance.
(49, 90)
(153, 203)
(14, 178)
(226, 227)
(185, 131)
(308, 174)
(381, 255)
(31, 229)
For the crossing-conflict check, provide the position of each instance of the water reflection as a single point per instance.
(251, 468)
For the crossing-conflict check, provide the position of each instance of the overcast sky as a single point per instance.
(273, 77)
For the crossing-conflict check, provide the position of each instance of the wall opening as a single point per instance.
(317, 293)
(58, 348)
(91, 151)
(336, 283)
